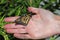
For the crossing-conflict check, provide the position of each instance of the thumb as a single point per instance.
(44, 14)
(33, 10)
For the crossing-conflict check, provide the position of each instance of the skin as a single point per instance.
(42, 25)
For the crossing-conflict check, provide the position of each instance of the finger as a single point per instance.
(33, 10)
(13, 26)
(10, 19)
(16, 31)
(22, 36)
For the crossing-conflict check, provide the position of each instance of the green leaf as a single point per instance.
(3, 1)
(18, 11)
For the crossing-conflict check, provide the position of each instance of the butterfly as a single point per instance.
(24, 19)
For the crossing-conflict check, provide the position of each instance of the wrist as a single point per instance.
(57, 18)
(59, 27)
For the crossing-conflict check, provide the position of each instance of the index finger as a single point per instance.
(10, 19)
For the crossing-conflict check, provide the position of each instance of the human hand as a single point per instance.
(41, 25)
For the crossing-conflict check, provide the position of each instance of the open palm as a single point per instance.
(41, 25)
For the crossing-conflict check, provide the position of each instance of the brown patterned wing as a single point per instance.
(23, 20)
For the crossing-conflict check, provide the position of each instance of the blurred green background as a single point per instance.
(10, 8)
